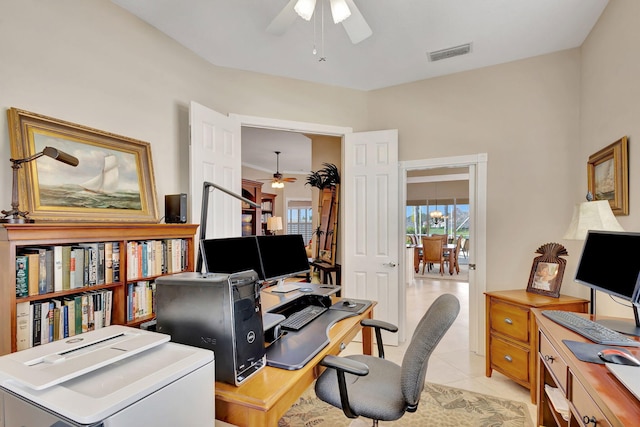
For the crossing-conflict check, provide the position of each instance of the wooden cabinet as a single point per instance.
(268, 208)
(15, 237)
(593, 396)
(512, 332)
(254, 220)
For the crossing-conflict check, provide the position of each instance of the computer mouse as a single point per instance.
(306, 290)
(613, 355)
(349, 304)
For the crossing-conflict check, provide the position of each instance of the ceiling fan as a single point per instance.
(278, 180)
(342, 11)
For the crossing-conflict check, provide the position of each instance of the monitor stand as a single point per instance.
(284, 287)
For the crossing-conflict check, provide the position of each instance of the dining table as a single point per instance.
(450, 254)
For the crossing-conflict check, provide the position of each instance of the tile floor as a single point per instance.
(452, 363)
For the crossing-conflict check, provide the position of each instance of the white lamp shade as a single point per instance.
(305, 8)
(339, 11)
(596, 215)
(274, 223)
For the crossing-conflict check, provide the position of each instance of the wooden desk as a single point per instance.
(594, 394)
(327, 269)
(267, 396)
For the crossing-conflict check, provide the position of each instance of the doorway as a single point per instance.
(477, 178)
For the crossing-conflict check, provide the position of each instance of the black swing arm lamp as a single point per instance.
(206, 189)
(15, 216)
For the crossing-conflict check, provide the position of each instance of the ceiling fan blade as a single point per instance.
(283, 20)
(289, 179)
(356, 27)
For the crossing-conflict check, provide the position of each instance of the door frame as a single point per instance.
(477, 237)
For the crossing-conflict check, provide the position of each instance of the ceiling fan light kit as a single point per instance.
(339, 10)
(305, 8)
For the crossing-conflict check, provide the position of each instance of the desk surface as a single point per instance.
(264, 398)
(612, 398)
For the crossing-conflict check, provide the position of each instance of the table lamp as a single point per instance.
(274, 224)
(591, 215)
(15, 216)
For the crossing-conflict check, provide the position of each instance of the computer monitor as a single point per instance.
(283, 256)
(610, 264)
(231, 255)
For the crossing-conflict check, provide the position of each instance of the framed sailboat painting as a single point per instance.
(113, 181)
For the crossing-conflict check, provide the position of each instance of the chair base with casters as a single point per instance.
(375, 388)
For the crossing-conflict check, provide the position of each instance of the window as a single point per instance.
(300, 221)
(454, 221)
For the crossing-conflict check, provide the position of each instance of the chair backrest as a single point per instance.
(432, 250)
(430, 330)
(459, 245)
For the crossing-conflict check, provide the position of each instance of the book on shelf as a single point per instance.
(66, 267)
(23, 328)
(41, 267)
(22, 276)
(90, 263)
(108, 262)
(34, 274)
(116, 262)
(36, 319)
(77, 267)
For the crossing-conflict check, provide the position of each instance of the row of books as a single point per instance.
(41, 322)
(46, 269)
(156, 257)
(141, 299)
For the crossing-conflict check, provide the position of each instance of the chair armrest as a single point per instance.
(346, 365)
(378, 325)
(342, 365)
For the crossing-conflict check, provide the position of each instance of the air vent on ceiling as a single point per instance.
(449, 52)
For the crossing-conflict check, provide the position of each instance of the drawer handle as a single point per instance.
(586, 420)
(342, 346)
(508, 358)
(549, 358)
(508, 321)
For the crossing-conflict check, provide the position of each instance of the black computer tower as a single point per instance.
(219, 312)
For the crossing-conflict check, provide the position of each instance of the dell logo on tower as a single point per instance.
(251, 337)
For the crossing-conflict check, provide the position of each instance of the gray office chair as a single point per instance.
(375, 388)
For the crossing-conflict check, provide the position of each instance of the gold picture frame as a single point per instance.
(608, 176)
(52, 191)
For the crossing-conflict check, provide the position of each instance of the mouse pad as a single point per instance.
(588, 352)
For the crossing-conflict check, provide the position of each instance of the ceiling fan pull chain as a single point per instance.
(322, 57)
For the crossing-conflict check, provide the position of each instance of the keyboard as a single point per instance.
(299, 319)
(589, 329)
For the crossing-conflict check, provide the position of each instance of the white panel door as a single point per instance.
(369, 203)
(214, 156)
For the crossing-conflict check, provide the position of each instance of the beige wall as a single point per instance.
(610, 105)
(538, 119)
(525, 116)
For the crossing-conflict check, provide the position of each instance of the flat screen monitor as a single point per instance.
(610, 264)
(231, 255)
(283, 256)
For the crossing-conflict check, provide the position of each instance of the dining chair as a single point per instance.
(456, 254)
(432, 252)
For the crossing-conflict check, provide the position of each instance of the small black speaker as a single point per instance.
(175, 208)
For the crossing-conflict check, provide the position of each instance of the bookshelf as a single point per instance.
(15, 237)
(254, 220)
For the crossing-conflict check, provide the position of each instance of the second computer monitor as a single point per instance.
(283, 256)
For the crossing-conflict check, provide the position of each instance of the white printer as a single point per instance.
(114, 376)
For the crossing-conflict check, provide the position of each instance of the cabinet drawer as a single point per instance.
(554, 362)
(510, 359)
(511, 320)
(585, 407)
